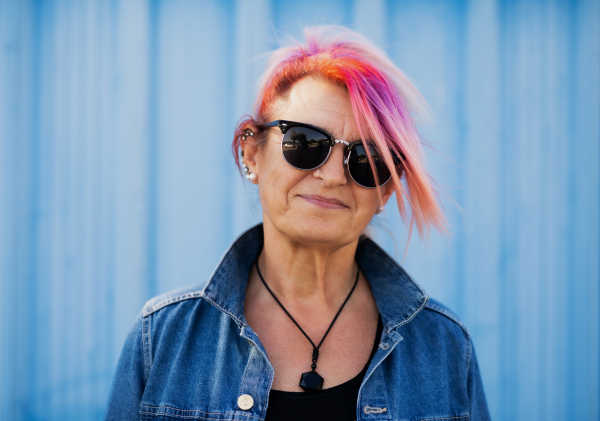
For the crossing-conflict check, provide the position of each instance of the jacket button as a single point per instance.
(245, 402)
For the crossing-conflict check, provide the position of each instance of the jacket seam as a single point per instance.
(450, 316)
(469, 353)
(412, 316)
(190, 410)
(147, 345)
(214, 303)
(172, 300)
(254, 353)
(198, 417)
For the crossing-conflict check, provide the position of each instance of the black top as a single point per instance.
(335, 403)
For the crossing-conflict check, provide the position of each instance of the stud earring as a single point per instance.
(379, 209)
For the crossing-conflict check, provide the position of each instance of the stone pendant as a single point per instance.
(311, 382)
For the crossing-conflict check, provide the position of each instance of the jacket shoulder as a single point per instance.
(435, 307)
(174, 296)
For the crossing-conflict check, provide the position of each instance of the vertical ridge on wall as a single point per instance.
(460, 195)
(32, 281)
(8, 39)
(571, 157)
(482, 203)
(584, 212)
(253, 37)
(543, 75)
(557, 211)
(529, 140)
(153, 166)
(508, 381)
(110, 98)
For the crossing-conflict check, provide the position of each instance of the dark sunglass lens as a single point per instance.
(360, 168)
(305, 148)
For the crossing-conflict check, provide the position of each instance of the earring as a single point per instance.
(379, 209)
(249, 175)
(247, 132)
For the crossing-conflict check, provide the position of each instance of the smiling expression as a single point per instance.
(322, 205)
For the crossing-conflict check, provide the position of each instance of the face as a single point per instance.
(314, 206)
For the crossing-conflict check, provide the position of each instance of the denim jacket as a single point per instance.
(191, 354)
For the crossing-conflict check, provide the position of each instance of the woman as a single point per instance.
(305, 318)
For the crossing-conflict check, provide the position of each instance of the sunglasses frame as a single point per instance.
(284, 125)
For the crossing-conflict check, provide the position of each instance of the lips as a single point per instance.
(324, 202)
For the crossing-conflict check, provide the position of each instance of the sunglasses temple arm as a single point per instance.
(271, 124)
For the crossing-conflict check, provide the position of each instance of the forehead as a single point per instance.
(322, 104)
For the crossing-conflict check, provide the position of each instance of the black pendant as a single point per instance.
(311, 382)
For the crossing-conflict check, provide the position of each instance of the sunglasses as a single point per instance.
(307, 147)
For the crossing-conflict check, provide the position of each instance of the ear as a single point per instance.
(250, 148)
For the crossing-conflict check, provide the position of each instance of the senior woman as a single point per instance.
(305, 317)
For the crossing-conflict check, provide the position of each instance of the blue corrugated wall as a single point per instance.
(117, 182)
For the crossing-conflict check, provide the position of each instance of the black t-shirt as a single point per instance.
(335, 403)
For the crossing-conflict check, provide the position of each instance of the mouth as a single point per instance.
(324, 202)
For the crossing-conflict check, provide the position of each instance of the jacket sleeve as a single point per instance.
(129, 381)
(478, 409)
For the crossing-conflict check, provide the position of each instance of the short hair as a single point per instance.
(385, 104)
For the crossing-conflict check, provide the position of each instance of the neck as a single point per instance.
(300, 273)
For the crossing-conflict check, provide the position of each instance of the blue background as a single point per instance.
(117, 181)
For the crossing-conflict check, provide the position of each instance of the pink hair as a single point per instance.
(384, 102)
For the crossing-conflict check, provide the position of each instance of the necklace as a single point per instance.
(310, 381)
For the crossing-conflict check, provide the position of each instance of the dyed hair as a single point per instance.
(385, 105)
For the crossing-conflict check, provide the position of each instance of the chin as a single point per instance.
(319, 231)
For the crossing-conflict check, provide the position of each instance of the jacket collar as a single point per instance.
(399, 298)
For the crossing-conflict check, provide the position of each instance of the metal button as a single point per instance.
(245, 402)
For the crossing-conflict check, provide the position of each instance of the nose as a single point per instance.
(333, 171)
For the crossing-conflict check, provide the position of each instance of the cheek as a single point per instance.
(273, 191)
(366, 201)
(276, 179)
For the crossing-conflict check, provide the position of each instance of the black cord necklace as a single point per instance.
(310, 381)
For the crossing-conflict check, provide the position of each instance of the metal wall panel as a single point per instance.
(117, 183)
